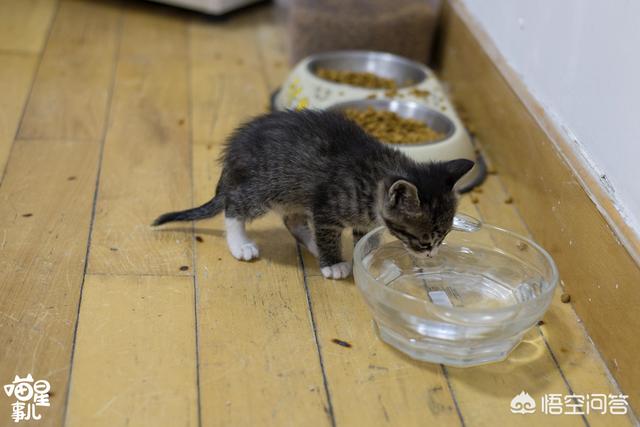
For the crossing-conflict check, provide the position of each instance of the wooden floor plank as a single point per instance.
(258, 358)
(226, 72)
(69, 97)
(371, 383)
(146, 165)
(24, 24)
(273, 46)
(45, 212)
(576, 355)
(135, 356)
(16, 75)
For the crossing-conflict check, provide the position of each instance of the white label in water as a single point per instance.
(440, 298)
(390, 272)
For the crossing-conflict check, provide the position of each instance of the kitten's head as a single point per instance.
(419, 209)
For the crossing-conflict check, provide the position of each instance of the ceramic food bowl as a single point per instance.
(470, 304)
(450, 146)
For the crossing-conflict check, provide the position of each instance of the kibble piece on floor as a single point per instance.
(565, 298)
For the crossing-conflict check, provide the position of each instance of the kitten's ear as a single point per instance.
(456, 169)
(403, 195)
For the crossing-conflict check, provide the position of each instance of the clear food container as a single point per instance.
(403, 27)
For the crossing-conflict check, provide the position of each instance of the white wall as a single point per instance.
(581, 60)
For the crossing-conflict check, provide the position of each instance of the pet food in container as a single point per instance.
(403, 27)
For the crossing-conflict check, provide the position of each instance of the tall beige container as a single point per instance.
(403, 27)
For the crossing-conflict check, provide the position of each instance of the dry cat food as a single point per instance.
(356, 78)
(387, 126)
(420, 93)
(341, 343)
(565, 298)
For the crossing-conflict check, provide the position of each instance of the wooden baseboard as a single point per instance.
(563, 205)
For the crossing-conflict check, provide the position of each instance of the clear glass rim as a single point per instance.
(357, 261)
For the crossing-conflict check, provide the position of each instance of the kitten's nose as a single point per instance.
(433, 252)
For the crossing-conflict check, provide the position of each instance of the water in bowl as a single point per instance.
(474, 278)
(470, 304)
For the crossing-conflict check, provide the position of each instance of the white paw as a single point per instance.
(340, 270)
(245, 252)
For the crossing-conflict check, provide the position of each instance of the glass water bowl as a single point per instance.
(468, 305)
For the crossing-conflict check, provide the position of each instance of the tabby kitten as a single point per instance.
(323, 174)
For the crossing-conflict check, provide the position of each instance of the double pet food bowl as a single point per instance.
(419, 95)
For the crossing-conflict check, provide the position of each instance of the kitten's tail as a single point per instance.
(212, 208)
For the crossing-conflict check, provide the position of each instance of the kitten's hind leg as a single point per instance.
(298, 226)
(240, 246)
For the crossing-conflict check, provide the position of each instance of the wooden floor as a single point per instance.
(113, 112)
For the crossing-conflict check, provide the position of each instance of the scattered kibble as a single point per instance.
(71, 178)
(475, 200)
(27, 215)
(522, 246)
(113, 249)
(341, 343)
(508, 200)
(199, 239)
(478, 190)
(419, 93)
(565, 298)
(540, 322)
(390, 127)
(356, 78)
(184, 268)
(391, 93)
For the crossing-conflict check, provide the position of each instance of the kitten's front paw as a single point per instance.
(340, 270)
(245, 252)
